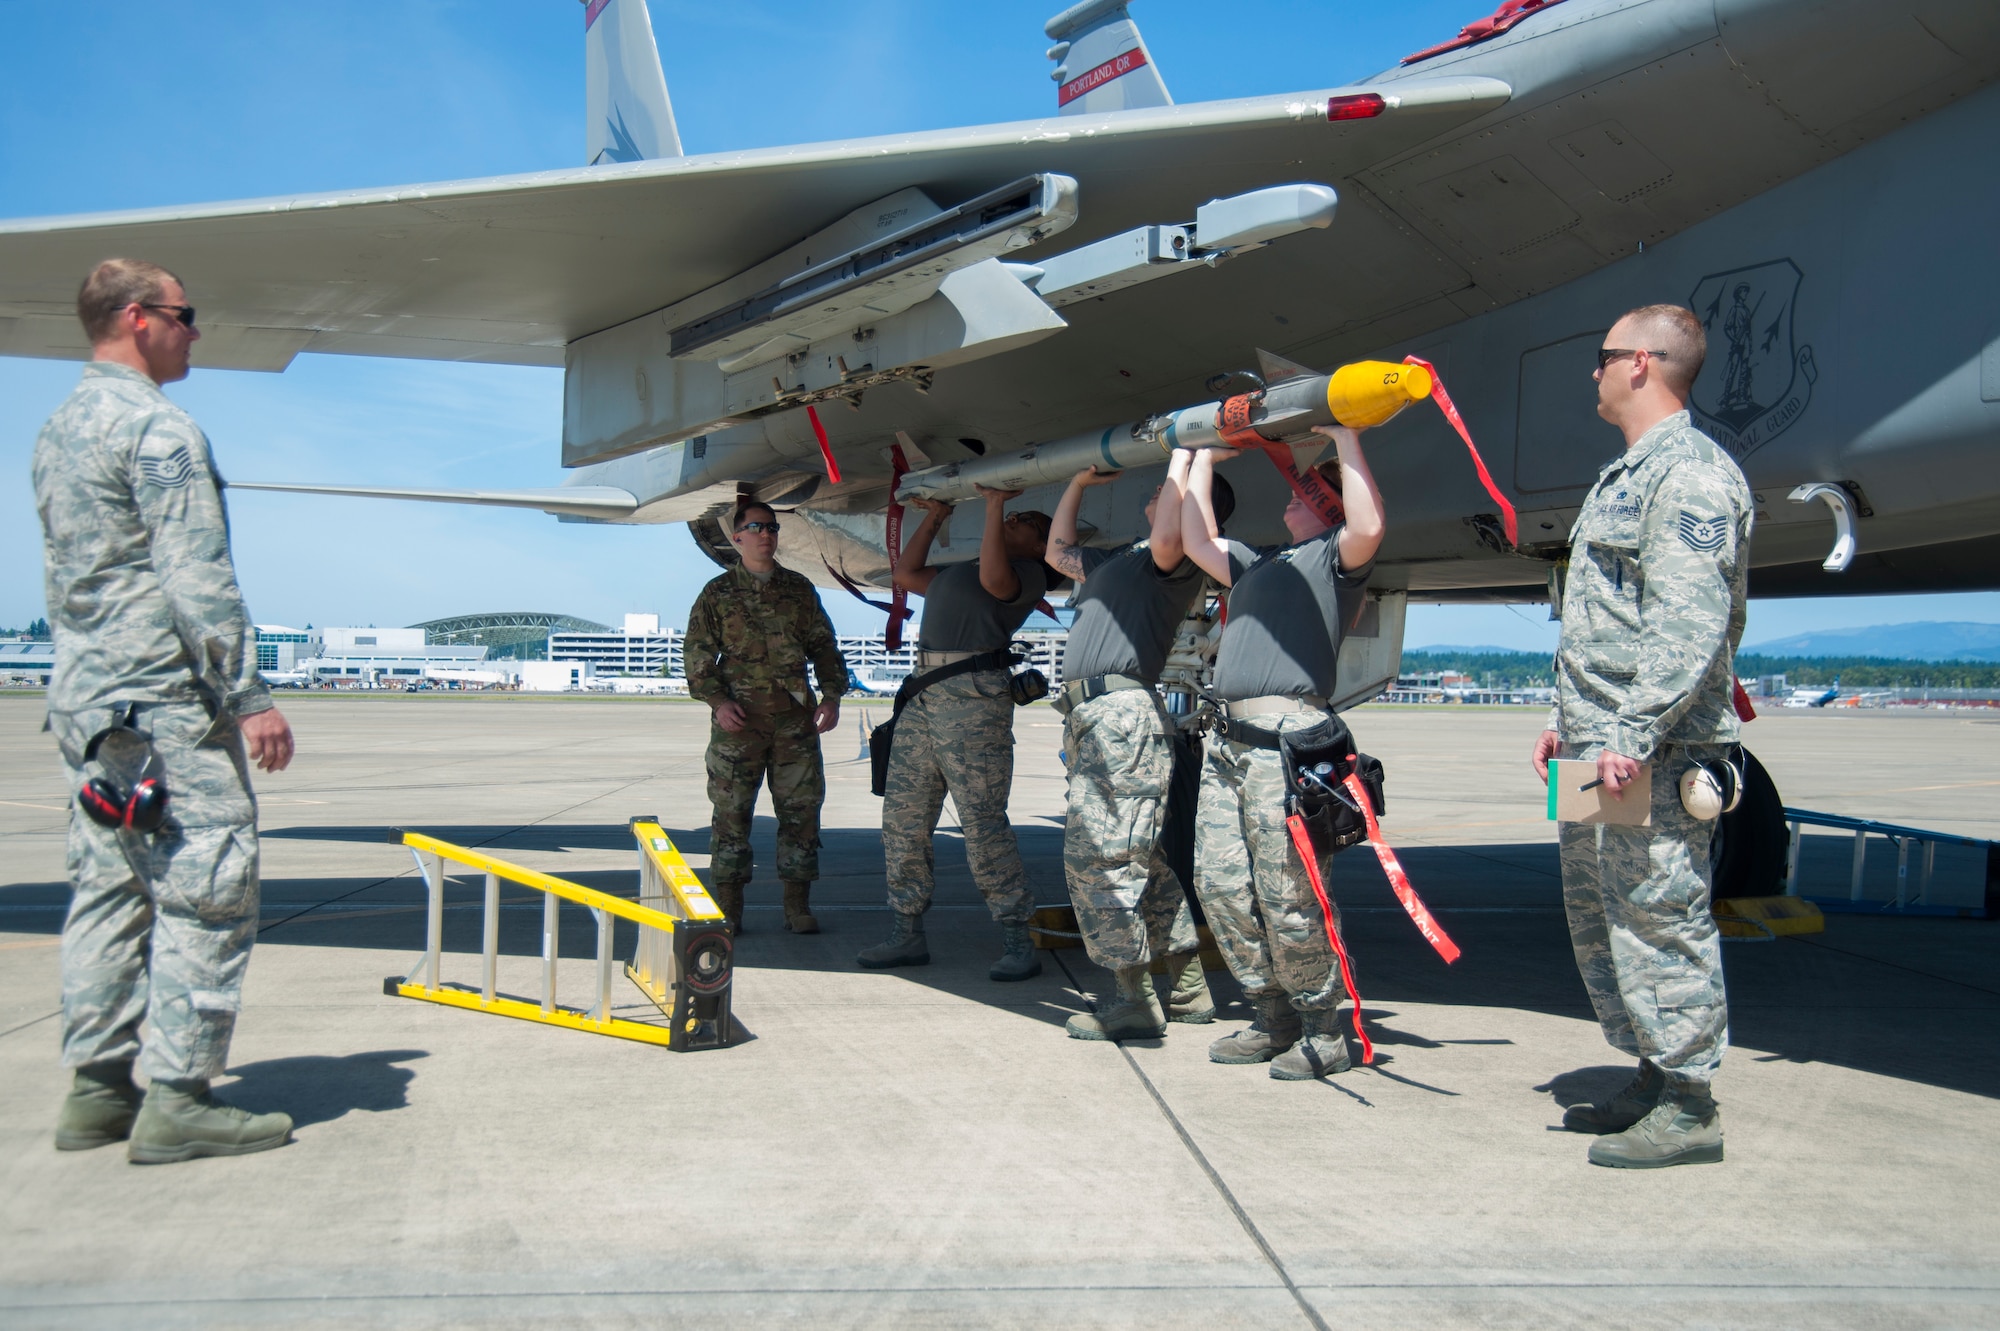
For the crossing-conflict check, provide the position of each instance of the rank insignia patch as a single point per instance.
(1704, 534)
(170, 472)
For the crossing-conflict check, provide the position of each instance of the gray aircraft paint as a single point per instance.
(1642, 148)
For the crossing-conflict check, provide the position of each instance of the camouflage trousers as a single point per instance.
(1648, 950)
(957, 737)
(1252, 885)
(160, 927)
(1129, 903)
(782, 747)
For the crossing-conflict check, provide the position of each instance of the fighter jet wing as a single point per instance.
(511, 269)
(580, 501)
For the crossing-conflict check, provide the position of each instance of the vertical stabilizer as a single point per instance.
(630, 116)
(1102, 63)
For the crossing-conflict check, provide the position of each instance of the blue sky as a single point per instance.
(244, 100)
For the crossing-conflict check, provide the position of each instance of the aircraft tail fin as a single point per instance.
(1102, 63)
(631, 118)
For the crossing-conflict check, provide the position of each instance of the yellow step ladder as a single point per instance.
(684, 961)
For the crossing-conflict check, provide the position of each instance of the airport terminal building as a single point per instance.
(26, 662)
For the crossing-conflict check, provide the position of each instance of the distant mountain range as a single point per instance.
(1486, 649)
(1928, 641)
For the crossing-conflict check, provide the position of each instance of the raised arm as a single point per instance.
(996, 569)
(913, 572)
(1361, 535)
(1200, 539)
(1166, 538)
(1064, 555)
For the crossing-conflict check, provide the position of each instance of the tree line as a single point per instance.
(1522, 670)
(1871, 672)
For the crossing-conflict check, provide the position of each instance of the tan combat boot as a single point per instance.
(1136, 1015)
(1622, 1110)
(798, 909)
(99, 1109)
(1188, 999)
(729, 896)
(1684, 1128)
(1321, 1050)
(1275, 1030)
(182, 1121)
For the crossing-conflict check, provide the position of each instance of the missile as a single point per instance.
(1360, 395)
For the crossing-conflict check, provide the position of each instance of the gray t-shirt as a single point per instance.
(1287, 611)
(962, 616)
(1127, 612)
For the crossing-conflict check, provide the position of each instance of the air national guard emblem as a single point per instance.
(1757, 382)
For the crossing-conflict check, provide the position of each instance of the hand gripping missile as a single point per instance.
(1359, 395)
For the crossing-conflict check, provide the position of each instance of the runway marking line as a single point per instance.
(47, 808)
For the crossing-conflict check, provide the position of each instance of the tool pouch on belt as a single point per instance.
(883, 737)
(1028, 686)
(1316, 762)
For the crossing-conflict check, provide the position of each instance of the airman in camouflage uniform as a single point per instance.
(151, 630)
(1130, 907)
(750, 635)
(956, 737)
(1652, 609)
(1276, 668)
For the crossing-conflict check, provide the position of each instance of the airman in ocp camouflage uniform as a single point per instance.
(155, 651)
(1652, 609)
(750, 635)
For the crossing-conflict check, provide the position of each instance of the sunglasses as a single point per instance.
(770, 527)
(185, 313)
(1606, 355)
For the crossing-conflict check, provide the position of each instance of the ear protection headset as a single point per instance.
(140, 809)
(1711, 789)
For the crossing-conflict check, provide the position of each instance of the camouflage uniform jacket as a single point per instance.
(749, 640)
(1654, 602)
(142, 593)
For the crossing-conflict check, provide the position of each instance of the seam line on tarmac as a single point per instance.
(33, 1022)
(1215, 1179)
(1881, 1289)
(1907, 970)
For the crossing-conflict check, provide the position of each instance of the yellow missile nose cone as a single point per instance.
(1370, 392)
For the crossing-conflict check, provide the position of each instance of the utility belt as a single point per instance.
(930, 660)
(1079, 691)
(1316, 759)
(1227, 718)
(1026, 687)
(772, 701)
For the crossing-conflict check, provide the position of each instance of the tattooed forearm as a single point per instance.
(1065, 558)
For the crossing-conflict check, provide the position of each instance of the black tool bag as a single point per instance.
(883, 737)
(1317, 761)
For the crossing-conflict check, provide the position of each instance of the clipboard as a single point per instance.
(1568, 804)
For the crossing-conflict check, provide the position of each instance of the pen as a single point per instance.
(1590, 785)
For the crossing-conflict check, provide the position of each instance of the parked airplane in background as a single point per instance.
(873, 683)
(779, 321)
(1813, 697)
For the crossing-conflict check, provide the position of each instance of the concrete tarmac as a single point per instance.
(924, 1147)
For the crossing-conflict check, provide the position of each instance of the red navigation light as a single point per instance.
(1355, 106)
